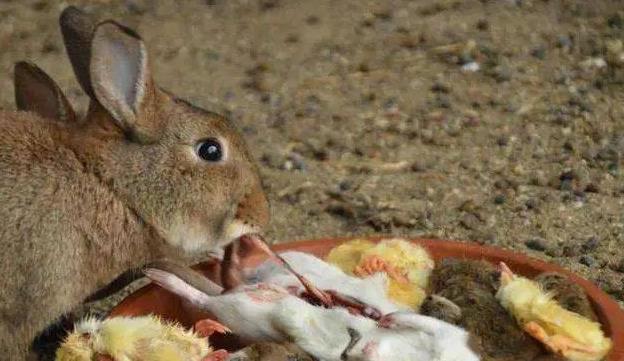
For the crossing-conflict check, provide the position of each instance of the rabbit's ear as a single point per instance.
(35, 91)
(77, 28)
(120, 76)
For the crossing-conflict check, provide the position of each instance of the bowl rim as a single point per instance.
(610, 314)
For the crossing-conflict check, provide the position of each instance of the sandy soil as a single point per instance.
(369, 117)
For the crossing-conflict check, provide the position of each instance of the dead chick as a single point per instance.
(570, 295)
(471, 285)
(144, 338)
(566, 333)
(406, 264)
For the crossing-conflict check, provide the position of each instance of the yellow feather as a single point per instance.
(414, 259)
(132, 339)
(347, 255)
(75, 348)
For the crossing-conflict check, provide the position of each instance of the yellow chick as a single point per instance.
(145, 338)
(563, 332)
(407, 265)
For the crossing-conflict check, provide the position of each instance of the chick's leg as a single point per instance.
(322, 297)
(354, 305)
(374, 264)
(557, 343)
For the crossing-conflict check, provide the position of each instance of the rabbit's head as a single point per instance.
(184, 171)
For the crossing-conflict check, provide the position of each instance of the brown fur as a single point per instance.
(84, 202)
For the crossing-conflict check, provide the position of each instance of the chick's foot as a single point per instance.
(208, 327)
(558, 344)
(375, 264)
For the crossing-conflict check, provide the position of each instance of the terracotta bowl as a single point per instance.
(152, 299)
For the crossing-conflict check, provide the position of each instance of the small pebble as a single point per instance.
(613, 169)
(591, 244)
(483, 24)
(587, 260)
(592, 188)
(564, 41)
(292, 38)
(532, 203)
(345, 185)
(539, 52)
(593, 63)
(266, 5)
(313, 20)
(471, 67)
(470, 221)
(440, 87)
(502, 141)
(568, 175)
(538, 244)
(297, 162)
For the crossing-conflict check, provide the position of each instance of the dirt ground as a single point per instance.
(500, 122)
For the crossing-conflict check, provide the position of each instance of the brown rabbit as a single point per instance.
(37, 92)
(145, 176)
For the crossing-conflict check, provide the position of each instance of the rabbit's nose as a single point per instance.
(253, 208)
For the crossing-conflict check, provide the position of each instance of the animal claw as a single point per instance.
(207, 327)
(559, 344)
(321, 296)
(374, 264)
(354, 305)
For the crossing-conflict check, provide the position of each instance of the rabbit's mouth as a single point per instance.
(237, 229)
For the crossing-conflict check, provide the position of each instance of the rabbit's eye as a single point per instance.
(210, 150)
